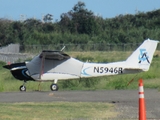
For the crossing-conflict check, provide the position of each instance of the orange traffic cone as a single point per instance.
(142, 107)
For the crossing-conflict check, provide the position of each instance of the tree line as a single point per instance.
(81, 26)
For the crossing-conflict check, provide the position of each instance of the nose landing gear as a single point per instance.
(23, 87)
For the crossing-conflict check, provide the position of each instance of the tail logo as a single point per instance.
(143, 56)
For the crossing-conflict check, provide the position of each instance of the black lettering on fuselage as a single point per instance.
(115, 70)
(120, 70)
(96, 69)
(101, 70)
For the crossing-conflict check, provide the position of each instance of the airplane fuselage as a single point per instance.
(54, 69)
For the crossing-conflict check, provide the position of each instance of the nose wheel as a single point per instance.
(22, 88)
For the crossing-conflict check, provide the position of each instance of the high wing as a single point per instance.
(54, 55)
(51, 55)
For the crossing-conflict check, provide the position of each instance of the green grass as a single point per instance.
(56, 111)
(76, 110)
(151, 78)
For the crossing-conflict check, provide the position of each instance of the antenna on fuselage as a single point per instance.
(63, 48)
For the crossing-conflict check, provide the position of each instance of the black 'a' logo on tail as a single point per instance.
(143, 58)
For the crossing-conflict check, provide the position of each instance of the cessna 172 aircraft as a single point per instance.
(56, 65)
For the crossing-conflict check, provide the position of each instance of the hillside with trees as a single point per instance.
(81, 26)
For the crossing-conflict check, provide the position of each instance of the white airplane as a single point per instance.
(56, 65)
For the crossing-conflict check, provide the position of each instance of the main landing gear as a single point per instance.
(54, 86)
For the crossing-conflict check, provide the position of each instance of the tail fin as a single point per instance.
(141, 58)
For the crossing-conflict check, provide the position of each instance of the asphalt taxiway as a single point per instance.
(112, 96)
(126, 101)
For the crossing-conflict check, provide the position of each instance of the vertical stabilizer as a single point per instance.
(142, 57)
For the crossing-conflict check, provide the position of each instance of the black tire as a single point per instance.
(54, 87)
(22, 88)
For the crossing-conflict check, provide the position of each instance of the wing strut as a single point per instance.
(42, 65)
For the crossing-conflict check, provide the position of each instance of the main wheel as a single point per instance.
(54, 87)
(22, 88)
